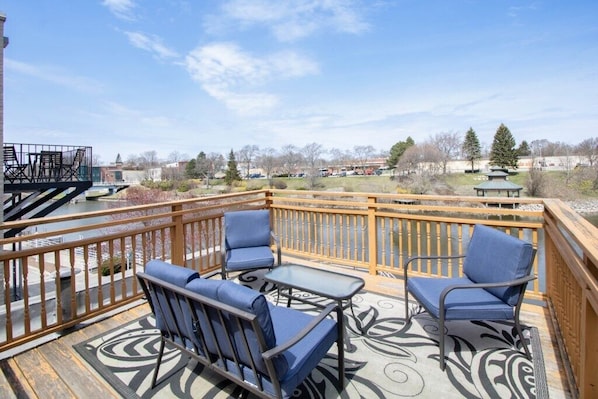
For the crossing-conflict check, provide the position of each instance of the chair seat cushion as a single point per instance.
(249, 258)
(305, 356)
(460, 304)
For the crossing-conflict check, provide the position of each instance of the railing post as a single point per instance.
(372, 236)
(178, 237)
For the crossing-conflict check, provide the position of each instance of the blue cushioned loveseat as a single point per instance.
(269, 350)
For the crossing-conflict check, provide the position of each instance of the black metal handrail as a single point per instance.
(42, 163)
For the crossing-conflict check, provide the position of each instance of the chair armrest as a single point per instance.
(510, 283)
(278, 252)
(432, 257)
(277, 350)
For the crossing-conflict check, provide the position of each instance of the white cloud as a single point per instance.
(122, 9)
(231, 75)
(54, 75)
(152, 43)
(293, 20)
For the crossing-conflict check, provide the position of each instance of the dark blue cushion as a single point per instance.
(249, 258)
(253, 302)
(301, 358)
(209, 288)
(493, 256)
(460, 304)
(162, 303)
(170, 273)
(305, 356)
(245, 229)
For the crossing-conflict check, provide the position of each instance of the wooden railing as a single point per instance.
(371, 232)
(572, 291)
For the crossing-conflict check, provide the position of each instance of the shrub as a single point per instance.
(183, 187)
(165, 185)
(280, 184)
(106, 266)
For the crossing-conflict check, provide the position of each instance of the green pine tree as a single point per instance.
(471, 147)
(190, 171)
(503, 152)
(232, 173)
(524, 150)
(397, 150)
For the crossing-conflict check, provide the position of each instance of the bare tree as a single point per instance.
(290, 159)
(246, 156)
(133, 162)
(268, 160)
(566, 160)
(589, 150)
(448, 144)
(312, 156)
(208, 165)
(340, 158)
(176, 156)
(536, 183)
(363, 153)
(149, 159)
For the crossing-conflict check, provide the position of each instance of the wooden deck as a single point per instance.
(55, 370)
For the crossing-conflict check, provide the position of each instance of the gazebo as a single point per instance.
(497, 183)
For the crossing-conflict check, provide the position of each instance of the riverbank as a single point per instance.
(583, 207)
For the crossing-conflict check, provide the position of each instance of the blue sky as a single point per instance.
(129, 76)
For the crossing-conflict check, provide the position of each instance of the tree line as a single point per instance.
(406, 156)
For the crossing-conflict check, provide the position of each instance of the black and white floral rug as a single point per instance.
(390, 360)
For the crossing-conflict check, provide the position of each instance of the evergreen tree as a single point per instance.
(471, 147)
(232, 173)
(503, 152)
(524, 150)
(190, 171)
(397, 150)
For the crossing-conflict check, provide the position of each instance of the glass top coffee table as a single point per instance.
(331, 285)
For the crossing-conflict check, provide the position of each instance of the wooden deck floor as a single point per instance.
(55, 370)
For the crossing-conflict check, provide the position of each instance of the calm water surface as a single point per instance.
(80, 207)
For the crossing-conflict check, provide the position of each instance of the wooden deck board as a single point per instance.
(42, 377)
(74, 371)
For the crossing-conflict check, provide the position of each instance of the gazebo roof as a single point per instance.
(498, 185)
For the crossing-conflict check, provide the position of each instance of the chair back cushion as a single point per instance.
(243, 229)
(168, 311)
(494, 256)
(210, 324)
(247, 300)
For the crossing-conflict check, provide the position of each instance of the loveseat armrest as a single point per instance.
(277, 350)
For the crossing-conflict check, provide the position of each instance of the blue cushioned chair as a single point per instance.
(496, 270)
(247, 242)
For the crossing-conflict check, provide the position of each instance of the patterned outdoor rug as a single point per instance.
(391, 360)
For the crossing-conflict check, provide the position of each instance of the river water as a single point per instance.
(79, 207)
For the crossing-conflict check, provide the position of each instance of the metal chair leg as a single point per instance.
(158, 361)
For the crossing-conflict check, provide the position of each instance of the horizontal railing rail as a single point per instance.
(49, 285)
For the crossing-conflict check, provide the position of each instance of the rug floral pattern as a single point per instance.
(391, 360)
